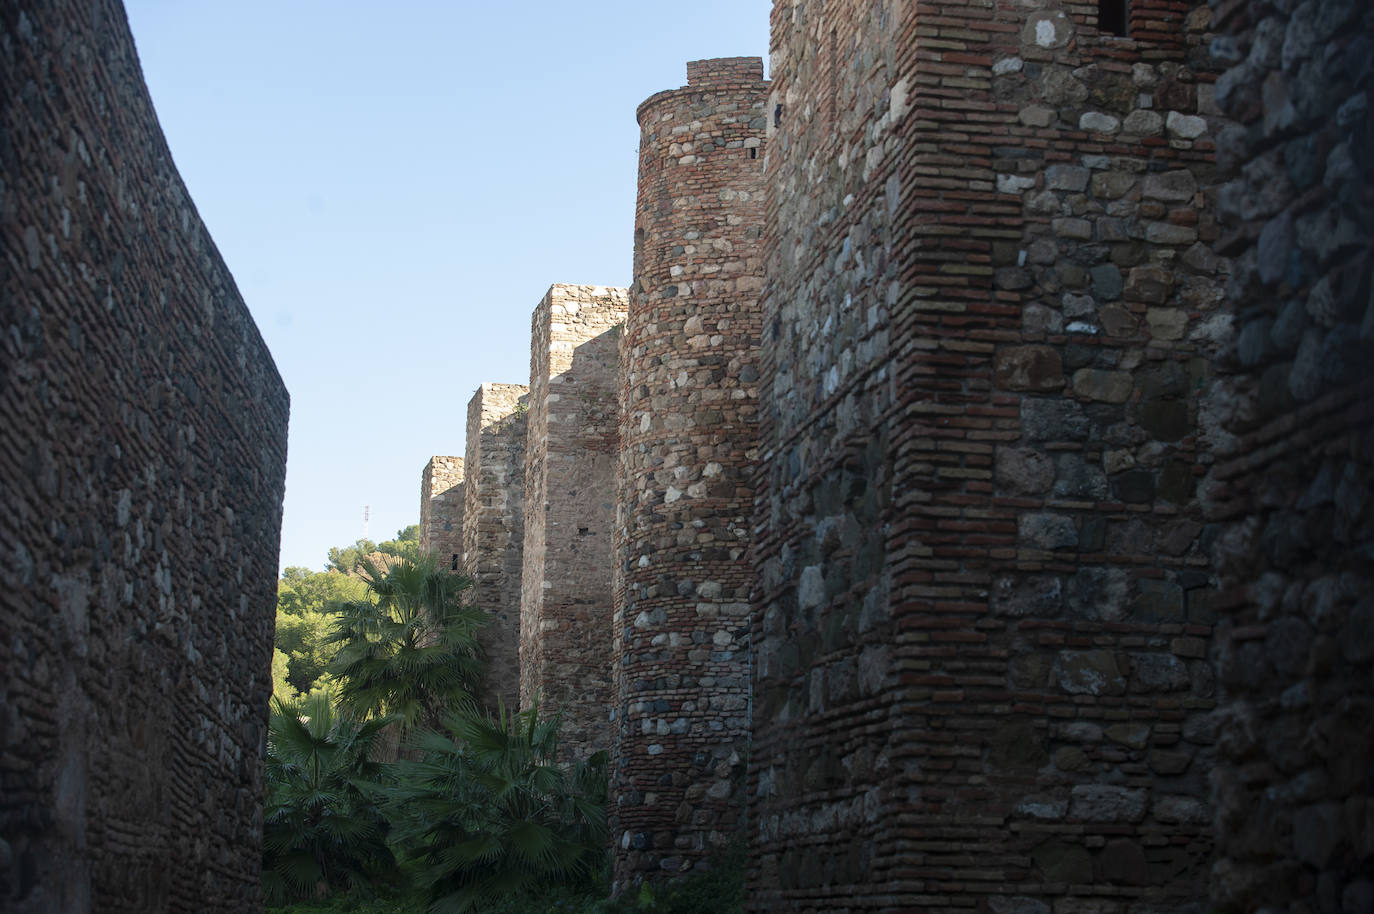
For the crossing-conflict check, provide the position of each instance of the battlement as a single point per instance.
(724, 71)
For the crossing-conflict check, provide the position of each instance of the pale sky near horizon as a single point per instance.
(395, 187)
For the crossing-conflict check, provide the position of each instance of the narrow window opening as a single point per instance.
(454, 565)
(753, 152)
(777, 115)
(1113, 17)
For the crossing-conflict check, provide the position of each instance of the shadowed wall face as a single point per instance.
(442, 500)
(684, 489)
(141, 480)
(990, 309)
(493, 529)
(573, 437)
(1291, 491)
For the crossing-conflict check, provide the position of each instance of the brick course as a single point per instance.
(142, 461)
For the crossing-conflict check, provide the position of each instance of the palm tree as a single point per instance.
(494, 815)
(410, 650)
(321, 831)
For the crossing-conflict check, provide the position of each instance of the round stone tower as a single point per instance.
(689, 355)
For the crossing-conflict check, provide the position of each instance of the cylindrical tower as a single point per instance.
(685, 500)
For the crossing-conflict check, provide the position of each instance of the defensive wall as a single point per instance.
(443, 498)
(1290, 492)
(142, 462)
(984, 606)
(494, 529)
(1054, 593)
(688, 445)
(566, 596)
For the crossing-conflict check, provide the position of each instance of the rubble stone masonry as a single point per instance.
(1291, 491)
(142, 461)
(985, 606)
(684, 491)
(493, 529)
(570, 457)
(442, 500)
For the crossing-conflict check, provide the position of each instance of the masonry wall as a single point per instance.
(573, 440)
(983, 627)
(1291, 491)
(443, 498)
(141, 481)
(493, 529)
(684, 495)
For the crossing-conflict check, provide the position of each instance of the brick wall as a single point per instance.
(141, 481)
(573, 439)
(493, 529)
(984, 610)
(1291, 491)
(442, 500)
(688, 435)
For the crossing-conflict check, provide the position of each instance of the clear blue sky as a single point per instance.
(394, 186)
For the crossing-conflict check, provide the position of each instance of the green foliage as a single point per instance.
(305, 603)
(282, 690)
(321, 829)
(406, 545)
(490, 814)
(410, 651)
(347, 559)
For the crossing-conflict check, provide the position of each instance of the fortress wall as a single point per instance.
(141, 481)
(1291, 491)
(573, 440)
(442, 499)
(684, 490)
(985, 600)
(493, 528)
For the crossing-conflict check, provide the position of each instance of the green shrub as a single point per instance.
(492, 818)
(321, 831)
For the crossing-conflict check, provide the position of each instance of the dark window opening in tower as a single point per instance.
(1113, 17)
(454, 565)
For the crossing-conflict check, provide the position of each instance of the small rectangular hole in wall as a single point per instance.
(1113, 17)
(753, 152)
(454, 565)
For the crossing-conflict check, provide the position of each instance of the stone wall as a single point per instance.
(141, 481)
(573, 439)
(494, 529)
(985, 606)
(442, 500)
(684, 494)
(1292, 489)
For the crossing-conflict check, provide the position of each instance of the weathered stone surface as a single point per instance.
(493, 529)
(1104, 803)
(442, 501)
(1089, 673)
(1288, 561)
(689, 445)
(572, 444)
(1109, 386)
(141, 483)
(1033, 368)
(964, 251)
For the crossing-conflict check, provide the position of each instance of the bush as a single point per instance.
(321, 831)
(492, 817)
